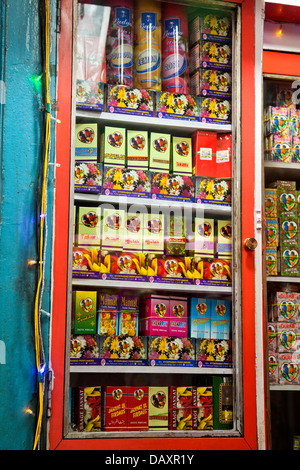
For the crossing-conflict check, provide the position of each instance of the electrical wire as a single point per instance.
(39, 353)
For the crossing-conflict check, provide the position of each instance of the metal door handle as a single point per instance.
(250, 244)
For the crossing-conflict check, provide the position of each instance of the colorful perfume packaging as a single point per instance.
(190, 408)
(284, 337)
(84, 312)
(110, 408)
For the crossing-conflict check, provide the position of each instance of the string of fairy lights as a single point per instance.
(42, 230)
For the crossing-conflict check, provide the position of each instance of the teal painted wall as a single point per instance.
(21, 154)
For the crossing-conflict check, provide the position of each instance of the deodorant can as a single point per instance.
(147, 45)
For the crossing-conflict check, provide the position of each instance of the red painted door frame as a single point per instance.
(60, 259)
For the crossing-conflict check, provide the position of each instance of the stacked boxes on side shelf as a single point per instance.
(282, 229)
(284, 338)
(281, 128)
(210, 66)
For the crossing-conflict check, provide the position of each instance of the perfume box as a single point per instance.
(199, 318)
(289, 369)
(133, 231)
(86, 408)
(90, 95)
(213, 353)
(182, 155)
(271, 261)
(204, 243)
(271, 203)
(84, 350)
(220, 319)
(87, 177)
(158, 408)
(86, 142)
(272, 232)
(204, 153)
(169, 269)
(107, 314)
(137, 149)
(155, 315)
(177, 106)
(153, 233)
(114, 408)
(138, 408)
(123, 266)
(128, 314)
(213, 191)
(183, 408)
(123, 99)
(113, 222)
(85, 312)
(159, 151)
(89, 226)
(224, 238)
(178, 323)
(123, 350)
(171, 351)
(273, 367)
(113, 146)
(285, 307)
(289, 261)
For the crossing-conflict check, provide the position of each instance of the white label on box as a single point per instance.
(222, 156)
(205, 154)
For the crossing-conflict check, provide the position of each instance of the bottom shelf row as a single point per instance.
(152, 408)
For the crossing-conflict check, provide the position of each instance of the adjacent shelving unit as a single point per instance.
(282, 396)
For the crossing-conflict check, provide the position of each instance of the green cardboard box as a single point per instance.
(113, 146)
(287, 202)
(85, 312)
(290, 261)
(271, 202)
(272, 232)
(271, 261)
(160, 151)
(86, 142)
(222, 402)
(113, 221)
(153, 233)
(182, 155)
(89, 226)
(133, 231)
(137, 149)
(289, 231)
(204, 242)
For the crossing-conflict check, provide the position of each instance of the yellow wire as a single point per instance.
(43, 209)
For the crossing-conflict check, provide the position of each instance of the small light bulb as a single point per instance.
(29, 411)
(31, 262)
(279, 32)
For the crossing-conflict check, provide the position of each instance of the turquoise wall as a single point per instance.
(21, 154)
